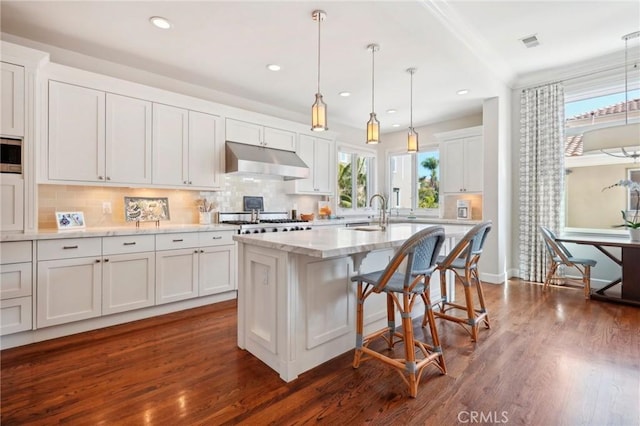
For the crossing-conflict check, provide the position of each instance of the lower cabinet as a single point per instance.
(176, 275)
(198, 268)
(68, 290)
(16, 287)
(128, 282)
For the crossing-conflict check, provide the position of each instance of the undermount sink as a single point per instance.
(368, 228)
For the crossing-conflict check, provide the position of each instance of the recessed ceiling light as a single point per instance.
(395, 125)
(160, 22)
(345, 94)
(462, 91)
(273, 67)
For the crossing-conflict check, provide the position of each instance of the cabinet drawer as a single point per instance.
(15, 315)
(128, 244)
(15, 252)
(69, 248)
(176, 241)
(15, 280)
(216, 238)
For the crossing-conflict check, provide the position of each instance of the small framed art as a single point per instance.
(70, 220)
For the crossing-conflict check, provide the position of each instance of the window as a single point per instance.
(587, 204)
(355, 178)
(414, 181)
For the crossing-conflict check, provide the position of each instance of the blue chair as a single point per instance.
(418, 255)
(560, 255)
(462, 261)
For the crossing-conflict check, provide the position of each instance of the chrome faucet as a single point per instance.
(382, 218)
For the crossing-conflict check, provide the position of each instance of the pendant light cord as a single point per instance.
(373, 76)
(319, 20)
(411, 102)
(626, 83)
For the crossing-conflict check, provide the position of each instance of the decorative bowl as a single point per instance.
(307, 217)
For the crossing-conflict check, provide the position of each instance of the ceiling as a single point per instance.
(226, 45)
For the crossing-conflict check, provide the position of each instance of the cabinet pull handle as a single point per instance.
(97, 260)
(217, 238)
(69, 247)
(106, 260)
(129, 244)
(178, 241)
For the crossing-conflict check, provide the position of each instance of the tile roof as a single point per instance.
(573, 144)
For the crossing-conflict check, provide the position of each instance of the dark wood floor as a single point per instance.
(550, 359)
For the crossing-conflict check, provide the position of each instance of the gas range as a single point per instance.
(267, 222)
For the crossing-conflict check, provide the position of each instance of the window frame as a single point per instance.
(431, 213)
(351, 149)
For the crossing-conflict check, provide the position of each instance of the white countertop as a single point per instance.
(50, 234)
(332, 242)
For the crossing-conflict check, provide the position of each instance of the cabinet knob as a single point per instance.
(100, 178)
(201, 251)
(184, 182)
(106, 260)
(189, 182)
(195, 251)
(97, 260)
(108, 178)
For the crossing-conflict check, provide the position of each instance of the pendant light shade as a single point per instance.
(412, 136)
(622, 141)
(319, 108)
(373, 125)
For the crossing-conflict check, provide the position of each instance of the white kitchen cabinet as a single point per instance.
(194, 264)
(128, 273)
(68, 290)
(186, 149)
(11, 202)
(12, 100)
(216, 262)
(256, 134)
(98, 137)
(317, 155)
(127, 140)
(206, 150)
(76, 133)
(16, 287)
(176, 275)
(462, 164)
(69, 280)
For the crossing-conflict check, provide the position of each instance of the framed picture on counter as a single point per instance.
(70, 220)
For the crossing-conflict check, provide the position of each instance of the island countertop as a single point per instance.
(333, 242)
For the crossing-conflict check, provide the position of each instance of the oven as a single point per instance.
(10, 155)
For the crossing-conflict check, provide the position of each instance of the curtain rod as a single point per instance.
(587, 74)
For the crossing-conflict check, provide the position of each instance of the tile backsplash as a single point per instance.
(183, 204)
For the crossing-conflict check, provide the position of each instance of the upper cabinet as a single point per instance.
(12, 98)
(317, 154)
(186, 149)
(98, 137)
(462, 160)
(256, 134)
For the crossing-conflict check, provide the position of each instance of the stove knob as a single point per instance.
(308, 228)
(274, 230)
(284, 229)
(263, 230)
(256, 231)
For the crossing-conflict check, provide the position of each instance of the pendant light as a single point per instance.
(412, 136)
(622, 141)
(319, 108)
(373, 125)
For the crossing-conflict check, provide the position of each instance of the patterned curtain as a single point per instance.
(541, 174)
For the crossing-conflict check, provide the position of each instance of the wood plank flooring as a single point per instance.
(550, 358)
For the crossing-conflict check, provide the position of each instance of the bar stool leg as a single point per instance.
(471, 316)
(483, 308)
(359, 326)
(434, 331)
(410, 356)
(586, 280)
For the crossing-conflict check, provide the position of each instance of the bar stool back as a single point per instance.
(463, 262)
(420, 252)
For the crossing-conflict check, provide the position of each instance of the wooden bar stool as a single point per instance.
(402, 288)
(463, 262)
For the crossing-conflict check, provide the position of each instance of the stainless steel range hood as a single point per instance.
(251, 159)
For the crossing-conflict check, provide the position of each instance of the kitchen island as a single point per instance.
(296, 303)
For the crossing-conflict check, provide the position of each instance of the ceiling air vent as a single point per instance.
(530, 41)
